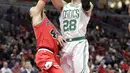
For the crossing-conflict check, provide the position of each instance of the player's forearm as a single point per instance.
(58, 4)
(91, 8)
(41, 4)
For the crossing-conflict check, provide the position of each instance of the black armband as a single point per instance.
(86, 4)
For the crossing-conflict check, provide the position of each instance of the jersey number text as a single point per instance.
(69, 25)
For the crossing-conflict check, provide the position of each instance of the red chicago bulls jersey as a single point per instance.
(45, 34)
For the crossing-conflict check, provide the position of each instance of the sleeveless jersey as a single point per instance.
(73, 21)
(45, 34)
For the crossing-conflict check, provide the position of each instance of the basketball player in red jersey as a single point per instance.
(46, 37)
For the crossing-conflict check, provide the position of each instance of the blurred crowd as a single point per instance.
(108, 53)
(17, 43)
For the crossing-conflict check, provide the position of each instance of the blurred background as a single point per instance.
(108, 36)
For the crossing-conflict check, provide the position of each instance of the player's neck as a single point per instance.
(75, 1)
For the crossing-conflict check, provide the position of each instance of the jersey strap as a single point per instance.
(75, 39)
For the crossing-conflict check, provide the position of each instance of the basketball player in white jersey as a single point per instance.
(74, 19)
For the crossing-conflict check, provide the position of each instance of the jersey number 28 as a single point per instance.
(69, 25)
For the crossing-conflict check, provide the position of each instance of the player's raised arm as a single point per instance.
(87, 6)
(58, 4)
(38, 8)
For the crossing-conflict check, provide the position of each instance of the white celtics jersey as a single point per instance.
(73, 21)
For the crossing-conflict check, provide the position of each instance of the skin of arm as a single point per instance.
(38, 8)
(89, 12)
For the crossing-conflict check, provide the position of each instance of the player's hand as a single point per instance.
(61, 40)
(48, 65)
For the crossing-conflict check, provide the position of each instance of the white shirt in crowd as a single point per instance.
(6, 70)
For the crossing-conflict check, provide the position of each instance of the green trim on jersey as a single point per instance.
(75, 39)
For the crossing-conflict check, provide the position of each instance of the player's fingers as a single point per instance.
(64, 40)
(61, 40)
(62, 43)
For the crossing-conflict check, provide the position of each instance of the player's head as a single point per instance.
(28, 65)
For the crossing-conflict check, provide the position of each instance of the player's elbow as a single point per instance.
(86, 4)
(30, 11)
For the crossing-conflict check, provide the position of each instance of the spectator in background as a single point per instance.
(5, 68)
(125, 65)
(10, 10)
(28, 68)
(16, 68)
(116, 67)
(23, 66)
(102, 67)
